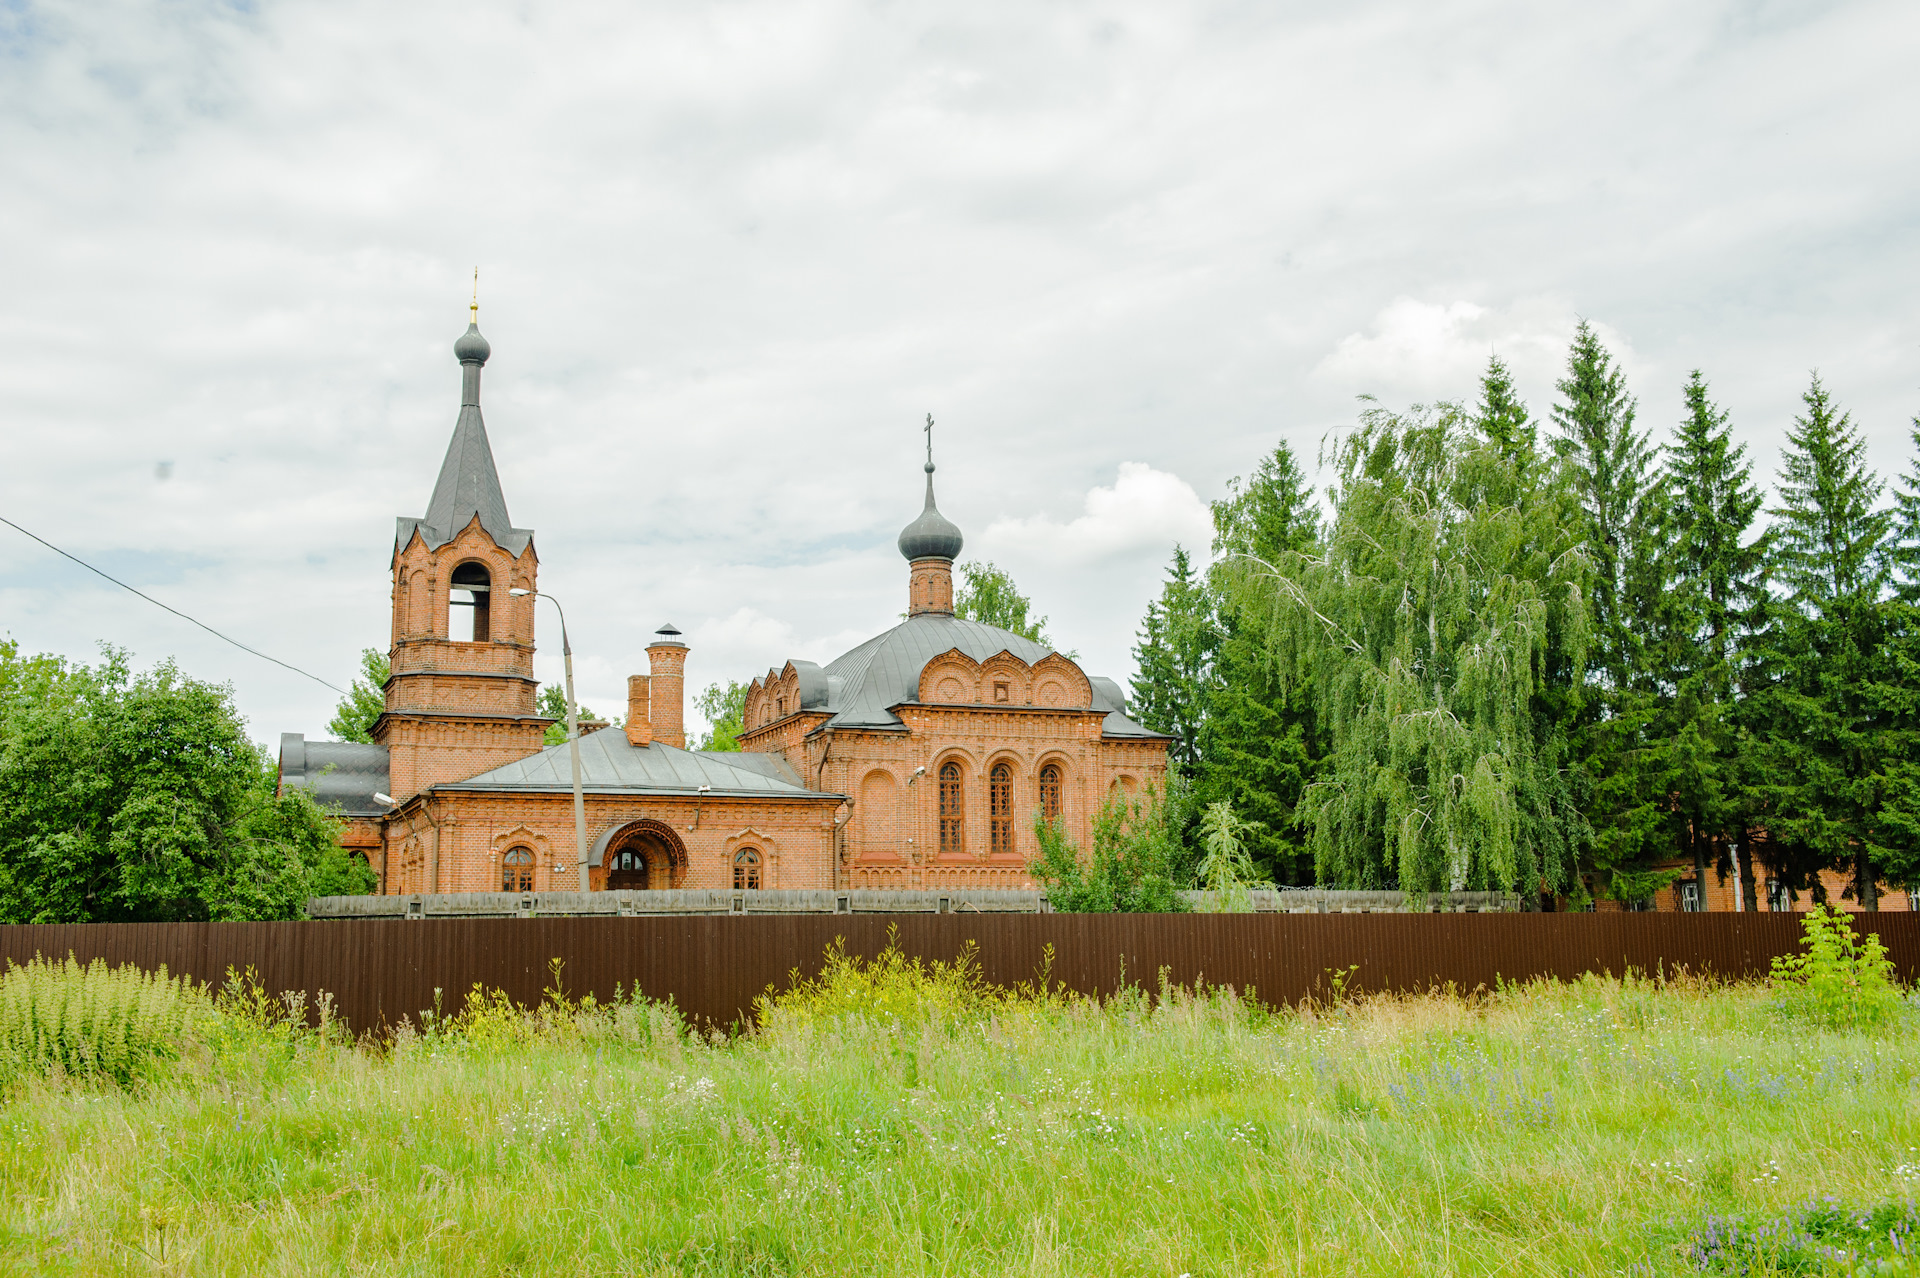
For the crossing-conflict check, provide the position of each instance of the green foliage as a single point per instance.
(553, 705)
(1841, 980)
(1831, 711)
(1551, 1128)
(985, 593)
(1818, 1237)
(1702, 626)
(1173, 658)
(118, 1024)
(1138, 863)
(1433, 628)
(1906, 547)
(1619, 736)
(724, 707)
(1502, 667)
(1609, 464)
(1226, 868)
(1259, 743)
(130, 798)
(892, 988)
(1831, 542)
(366, 700)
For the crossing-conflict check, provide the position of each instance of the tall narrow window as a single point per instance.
(1050, 792)
(516, 870)
(746, 871)
(470, 589)
(1000, 809)
(953, 810)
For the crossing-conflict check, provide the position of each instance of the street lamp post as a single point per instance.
(573, 738)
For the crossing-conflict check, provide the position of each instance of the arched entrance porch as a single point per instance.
(638, 856)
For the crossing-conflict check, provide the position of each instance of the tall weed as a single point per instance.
(1840, 980)
(892, 987)
(92, 1021)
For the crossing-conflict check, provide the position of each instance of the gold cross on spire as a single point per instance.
(475, 308)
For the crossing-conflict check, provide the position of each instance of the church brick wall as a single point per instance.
(456, 841)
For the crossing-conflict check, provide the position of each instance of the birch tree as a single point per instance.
(1443, 625)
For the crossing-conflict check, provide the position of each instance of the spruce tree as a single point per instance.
(1625, 754)
(1505, 423)
(1258, 743)
(1906, 546)
(1828, 714)
(1611, 467)
(1715, 585)
(1174, 660)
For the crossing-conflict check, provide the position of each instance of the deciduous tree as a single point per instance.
(1428, 626)
(132, 798)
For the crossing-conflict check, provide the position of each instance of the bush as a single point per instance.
(1842, 980)
(120, 1023)
(890, 988)
(1138, 862)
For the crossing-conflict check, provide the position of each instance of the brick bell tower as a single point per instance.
(460, 699)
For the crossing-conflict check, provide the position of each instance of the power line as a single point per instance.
(175, 611)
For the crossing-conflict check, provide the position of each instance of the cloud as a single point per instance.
(1144, 510)
(1440, 349)
(732, 254)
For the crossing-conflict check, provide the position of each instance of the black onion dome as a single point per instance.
(933, 535)
(472, 348)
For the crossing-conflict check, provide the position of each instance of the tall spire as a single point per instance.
(933, 535)
(468, 485)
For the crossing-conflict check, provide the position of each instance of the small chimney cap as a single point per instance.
(667, 629)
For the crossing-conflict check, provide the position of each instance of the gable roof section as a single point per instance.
(610, 764)
(885, 671)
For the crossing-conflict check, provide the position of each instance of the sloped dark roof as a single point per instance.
(609, 763)
(885, 671)
(468, 485)
(342, 776)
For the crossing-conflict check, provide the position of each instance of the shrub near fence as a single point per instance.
(713, 967)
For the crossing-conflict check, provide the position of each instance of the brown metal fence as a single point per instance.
(714, 966)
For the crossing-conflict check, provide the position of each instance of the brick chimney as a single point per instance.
(639, 717)
(667, 658)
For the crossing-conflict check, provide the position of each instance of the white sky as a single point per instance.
(731, 254)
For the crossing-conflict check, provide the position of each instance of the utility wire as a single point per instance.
(175, 611)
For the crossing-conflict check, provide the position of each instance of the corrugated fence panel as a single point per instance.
(713, 966)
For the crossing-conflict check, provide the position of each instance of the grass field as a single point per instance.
(896, 1121)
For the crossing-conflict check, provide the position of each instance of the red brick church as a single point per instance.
(916, 761)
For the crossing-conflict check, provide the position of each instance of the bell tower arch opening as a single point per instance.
(469, 604)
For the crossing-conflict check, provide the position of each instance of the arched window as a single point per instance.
(627, 870)
(953, 810)
(516, 870)
(1050, 792)
(1000, 810)
(470, 588)
(746, 871)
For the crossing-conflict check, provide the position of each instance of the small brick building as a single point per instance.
(916, 761)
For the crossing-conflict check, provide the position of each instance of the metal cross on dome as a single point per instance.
(929, 429)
